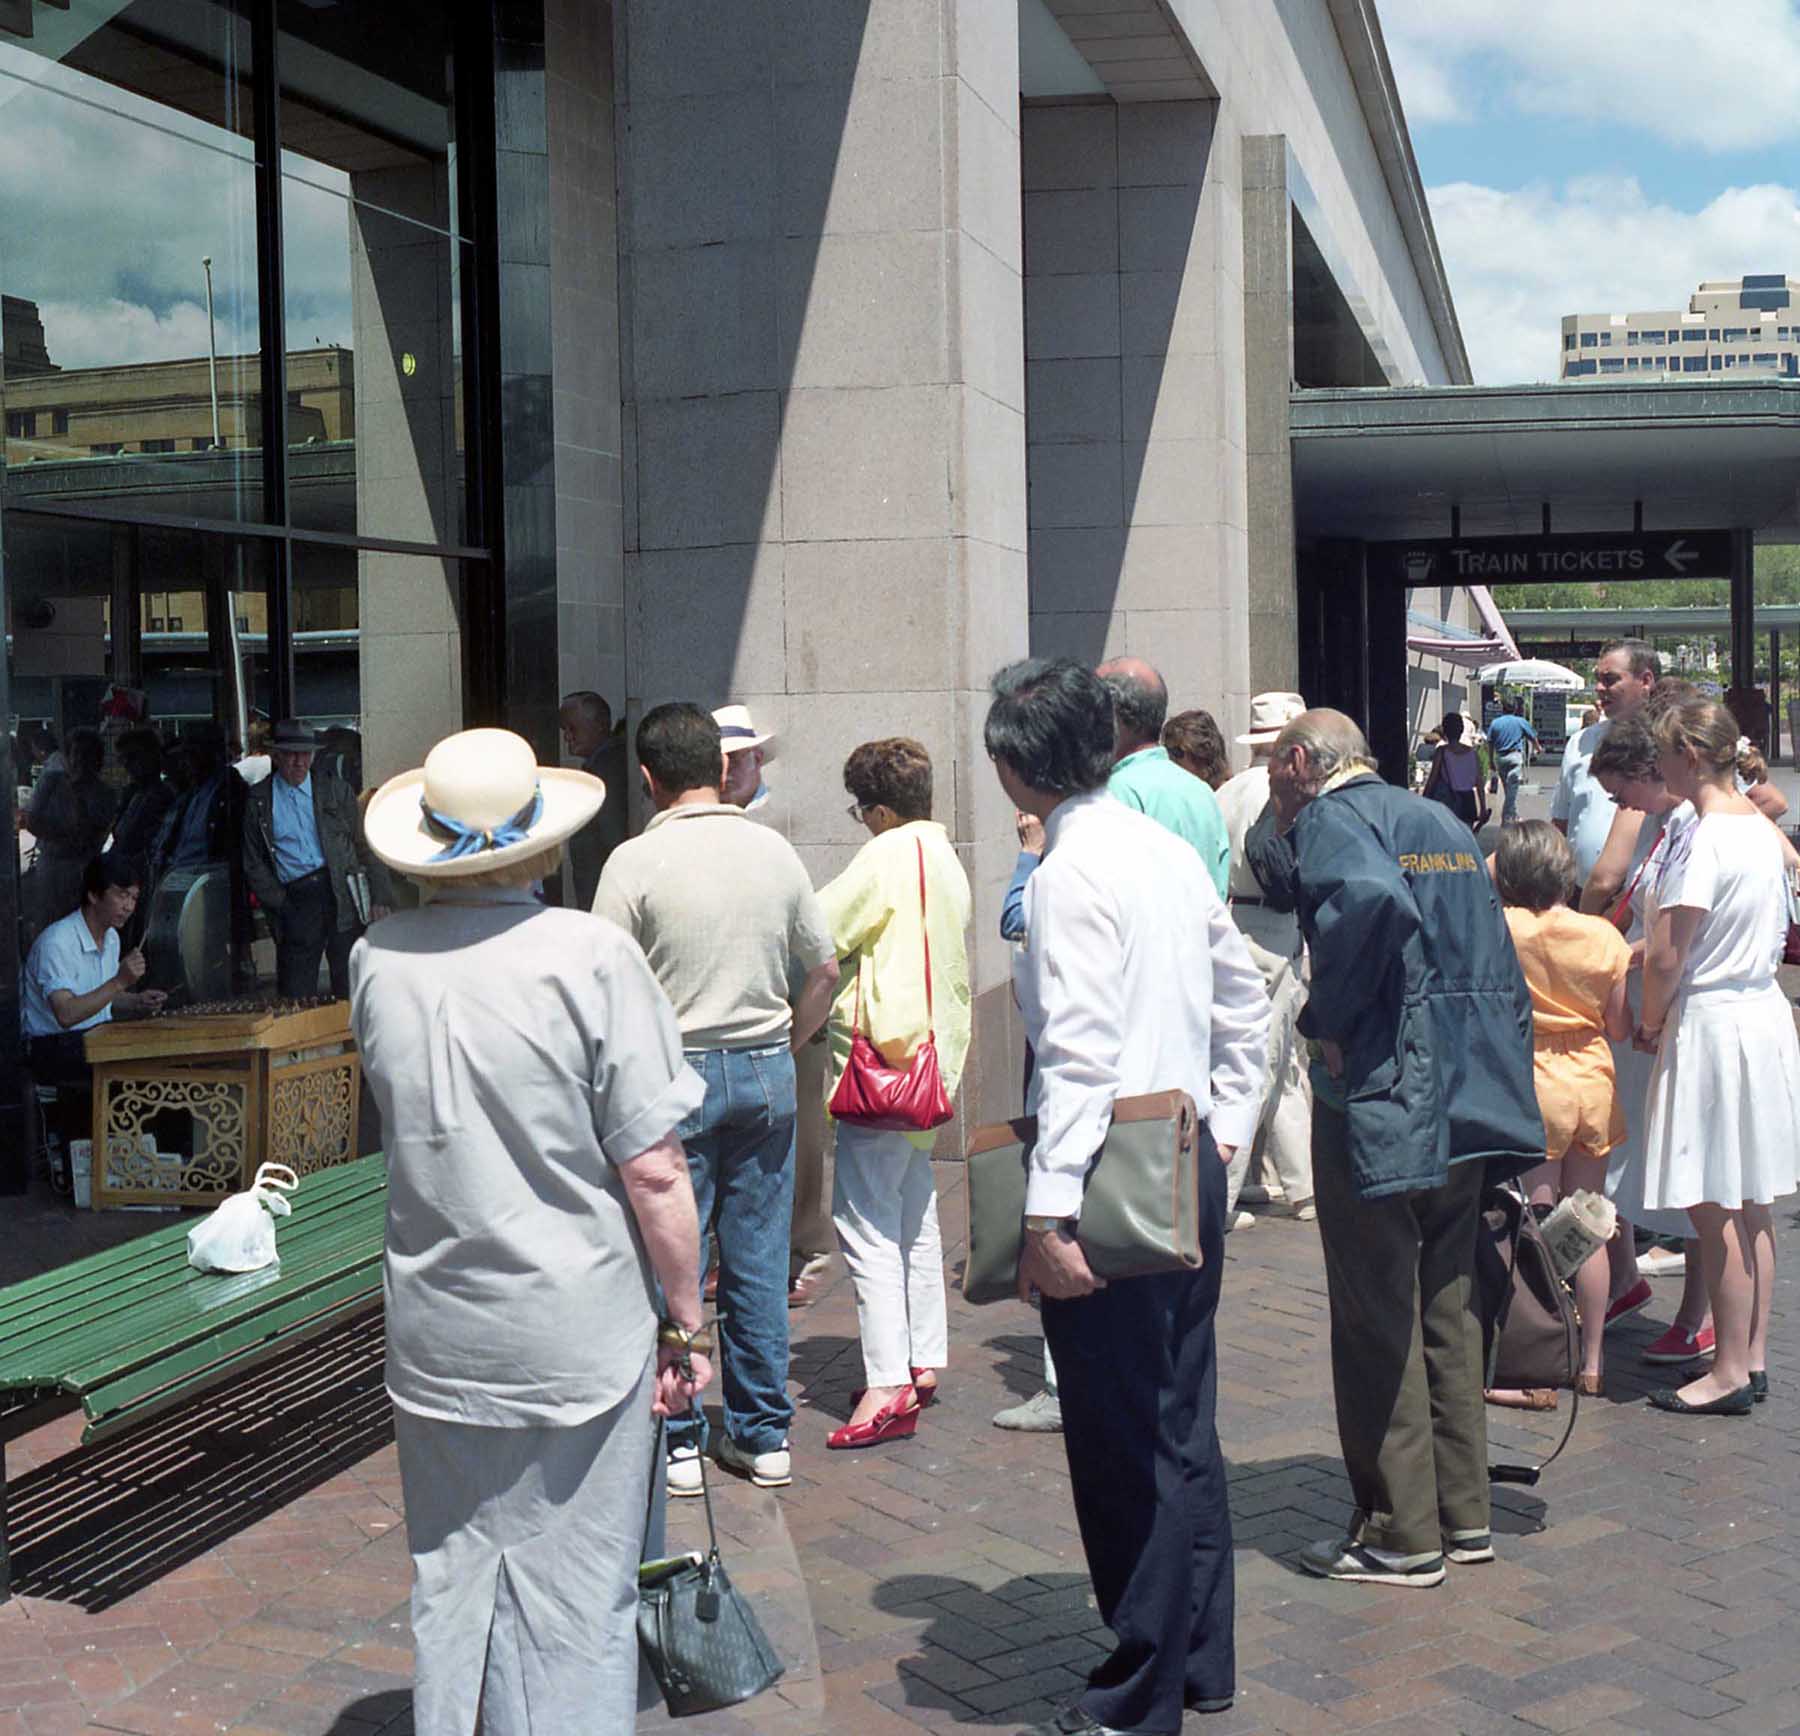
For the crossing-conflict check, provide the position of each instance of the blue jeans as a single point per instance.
(740, 1150)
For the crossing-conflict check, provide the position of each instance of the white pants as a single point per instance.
(884, 1206)
(525, 1547)
(1284, 1134)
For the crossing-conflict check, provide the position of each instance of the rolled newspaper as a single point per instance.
(1579, 1224)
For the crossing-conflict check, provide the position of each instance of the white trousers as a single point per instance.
(884, 1207)
(1284, 1134)
(525, 1547)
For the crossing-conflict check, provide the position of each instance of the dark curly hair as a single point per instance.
(895, 773)
(1051, 724)
(1195, 739)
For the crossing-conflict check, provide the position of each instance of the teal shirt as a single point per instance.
(1154, 784)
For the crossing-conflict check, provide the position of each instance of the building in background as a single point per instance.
(819, 354)
(1749, 325)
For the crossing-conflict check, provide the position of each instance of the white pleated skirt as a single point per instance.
(1625, 1162)
(1724, 1101)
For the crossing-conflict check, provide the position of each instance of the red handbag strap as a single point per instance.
(930, 1010)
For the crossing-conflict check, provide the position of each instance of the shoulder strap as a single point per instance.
(925, 933)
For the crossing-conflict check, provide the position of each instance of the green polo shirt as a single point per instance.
(1154, 784)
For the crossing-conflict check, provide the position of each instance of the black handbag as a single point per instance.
(697, 1632)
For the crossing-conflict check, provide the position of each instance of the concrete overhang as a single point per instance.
(1661, 623)
(1392, 463)
(1136, 49)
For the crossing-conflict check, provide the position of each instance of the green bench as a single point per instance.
(135, 1331)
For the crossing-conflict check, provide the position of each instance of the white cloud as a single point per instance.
(1518, 261)
(1717, 78)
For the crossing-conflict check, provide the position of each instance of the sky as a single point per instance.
(1585, 158)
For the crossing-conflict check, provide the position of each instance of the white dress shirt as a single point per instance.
(66, 956)
(1581, 801)
(1132, 979)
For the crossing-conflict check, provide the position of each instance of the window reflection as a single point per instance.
(128, 258)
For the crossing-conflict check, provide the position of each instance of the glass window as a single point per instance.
(1733, 334)
(1714, 334)
(1589, 340)
(1767, 358)
(1693, 335)
(1717, 363)
(1730, 361)
(1585, 366)
(374, 270)
(1693, 364)
(1568, 340)
(1651, 337)
(1612, 364)
(128, 257)
(1631, 339)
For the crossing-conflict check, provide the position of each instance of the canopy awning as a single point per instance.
(1450, 642)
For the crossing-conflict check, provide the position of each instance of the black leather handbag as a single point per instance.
(699, 1635)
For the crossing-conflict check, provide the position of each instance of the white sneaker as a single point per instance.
(1662, 1262)
(684, 1471)
(1305, 1211)
(1041, 1414)
(1241, 1220)
(773, 1470)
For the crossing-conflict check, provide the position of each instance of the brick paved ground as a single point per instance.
(242, 1566)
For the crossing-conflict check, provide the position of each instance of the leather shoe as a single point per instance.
(1072, 1721)
(896, 1419)
(1733, 1404)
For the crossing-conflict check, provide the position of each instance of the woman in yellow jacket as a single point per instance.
(904, 889)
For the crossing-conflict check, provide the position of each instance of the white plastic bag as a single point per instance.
(240, 1235)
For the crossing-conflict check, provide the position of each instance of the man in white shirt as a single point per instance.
(1131, 979)
(75, 979)
(1581, 809)
(1283, 1141)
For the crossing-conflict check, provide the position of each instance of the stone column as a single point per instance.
(825, 495)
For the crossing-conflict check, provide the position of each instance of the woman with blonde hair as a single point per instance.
(1725, 1094)
(898, 915)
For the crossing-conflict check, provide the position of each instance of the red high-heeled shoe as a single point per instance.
(893, 1422)
(927, 1394)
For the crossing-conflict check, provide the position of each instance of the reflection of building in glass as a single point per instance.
(1748, 325)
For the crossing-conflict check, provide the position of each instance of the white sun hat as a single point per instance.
(1270, 714)
(737, 731)
(479, 802)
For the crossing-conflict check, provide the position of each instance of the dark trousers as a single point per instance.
(306, 933)
(1406, 1361)
(1137, 1372)
(62, 1061)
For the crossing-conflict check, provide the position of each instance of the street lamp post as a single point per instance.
(212, 352)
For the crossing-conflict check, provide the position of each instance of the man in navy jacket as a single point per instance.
(1422, 1081)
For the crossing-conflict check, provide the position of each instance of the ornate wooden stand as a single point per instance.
(259, 1084)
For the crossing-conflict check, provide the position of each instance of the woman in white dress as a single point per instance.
(1724, 1098)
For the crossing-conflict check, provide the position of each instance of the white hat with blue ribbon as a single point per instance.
(479, 802)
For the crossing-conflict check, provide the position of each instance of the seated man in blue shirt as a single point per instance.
(1507, 735)
(75, 979)
(303, 841)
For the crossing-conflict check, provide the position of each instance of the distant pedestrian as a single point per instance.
(898, 914)
(530, 1078)
(1423, 1081)
(747, 751)
(1576, 968)
(724, 911)
(1725, 1095)
(1144, 777)
(70, 814)
(1197, 744)
(1280, 1158)
(1454, 775)
(1507, 737)
(1131, 979)
(591, 740)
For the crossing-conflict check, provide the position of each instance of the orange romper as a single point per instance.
(1572, 963)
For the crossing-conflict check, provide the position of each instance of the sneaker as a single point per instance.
(774, 1470)
(1241, 1220)
(1675, 1345)
(1360, 1565)
(806, 1277)
(1041, 1414)
(1662, 1263)
(1632, 1302)
(684, 1471)
(1305, 1211)
(1468, 1548)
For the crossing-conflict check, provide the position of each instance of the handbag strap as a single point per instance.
(925, 933)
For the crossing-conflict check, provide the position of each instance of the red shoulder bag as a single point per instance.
(886, 1099)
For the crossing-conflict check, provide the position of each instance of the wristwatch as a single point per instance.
(1043, 1226)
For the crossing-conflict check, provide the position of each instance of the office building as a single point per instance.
(1747, 326)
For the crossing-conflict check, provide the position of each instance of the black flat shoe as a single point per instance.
(1733, 1404)
(1759, 1384)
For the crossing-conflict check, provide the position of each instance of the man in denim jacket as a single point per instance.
(1422, 1079)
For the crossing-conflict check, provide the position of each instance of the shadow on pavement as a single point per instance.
(102, 1522)
(385, 1714)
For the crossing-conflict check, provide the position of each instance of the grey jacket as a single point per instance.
(340, 838)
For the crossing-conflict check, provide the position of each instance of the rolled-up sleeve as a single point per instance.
(643, 1087)
(1240, 1033)
(1070, 970)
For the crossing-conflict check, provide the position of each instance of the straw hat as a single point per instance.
(737, 731)
(479, 802)
(1270, 714)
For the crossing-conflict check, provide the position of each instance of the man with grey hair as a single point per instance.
(1422, 1085)
(1145, 778)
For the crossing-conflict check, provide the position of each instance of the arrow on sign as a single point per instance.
(1679, 555)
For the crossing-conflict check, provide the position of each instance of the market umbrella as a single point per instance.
(1531, 672)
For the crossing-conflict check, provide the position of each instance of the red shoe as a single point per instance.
(1678, 1346)
(1637, 1298)
(893, 1422)
(927, 1394)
